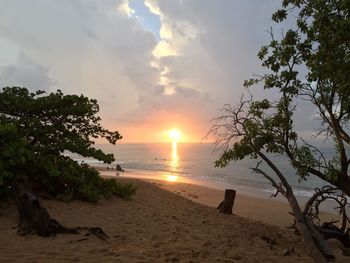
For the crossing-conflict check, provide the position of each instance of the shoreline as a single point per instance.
(259, 207)
(249, 191)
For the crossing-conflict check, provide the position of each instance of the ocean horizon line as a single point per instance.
(155, 142)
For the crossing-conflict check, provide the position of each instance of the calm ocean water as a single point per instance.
(196, 161)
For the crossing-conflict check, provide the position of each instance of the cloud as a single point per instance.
(153, 6)
(125, 8)
(26, 73)
(91, 47)
(204, 51)
(216, 43)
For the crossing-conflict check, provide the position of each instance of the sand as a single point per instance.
(266, 210)
(157, 225)
(257, 209)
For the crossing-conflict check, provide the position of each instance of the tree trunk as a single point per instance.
(314, 243)
(33, 217)
(226, 205)
(343, 185)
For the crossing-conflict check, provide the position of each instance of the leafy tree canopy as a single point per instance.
(37, 128)
(310, 61)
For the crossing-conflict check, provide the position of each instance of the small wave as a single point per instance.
(196, 161)
(297, 192)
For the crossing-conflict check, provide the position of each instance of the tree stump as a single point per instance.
(33, 217)
(229, 199)
(119, 168)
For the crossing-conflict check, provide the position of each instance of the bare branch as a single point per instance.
(278, 187)
(311, 209)
(228, 128)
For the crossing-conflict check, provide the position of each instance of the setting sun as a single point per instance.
(174, 135)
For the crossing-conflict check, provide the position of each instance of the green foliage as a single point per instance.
(36, 129)
(304, 160)
(310, 61)
(14, 154)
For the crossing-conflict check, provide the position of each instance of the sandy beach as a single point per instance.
(162, 223)
(257, 205)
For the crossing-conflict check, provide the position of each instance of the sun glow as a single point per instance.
(171, 178)
(174, 135)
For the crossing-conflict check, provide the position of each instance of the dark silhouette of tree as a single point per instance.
(36, 130)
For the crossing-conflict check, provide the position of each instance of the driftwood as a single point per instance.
(329, 229)
(307, 222)
(95, 231)
(34, 219)
(226, 205)
(314, 242)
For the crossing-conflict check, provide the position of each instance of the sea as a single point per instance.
(195, 162)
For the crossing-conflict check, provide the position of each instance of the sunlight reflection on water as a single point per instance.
(174, 164)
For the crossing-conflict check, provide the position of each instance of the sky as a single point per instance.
(153, 65)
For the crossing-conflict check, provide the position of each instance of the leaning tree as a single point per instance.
(309, 62)
(37, 130)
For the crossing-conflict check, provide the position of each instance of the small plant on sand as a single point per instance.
(310, 62)
(36, 129)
